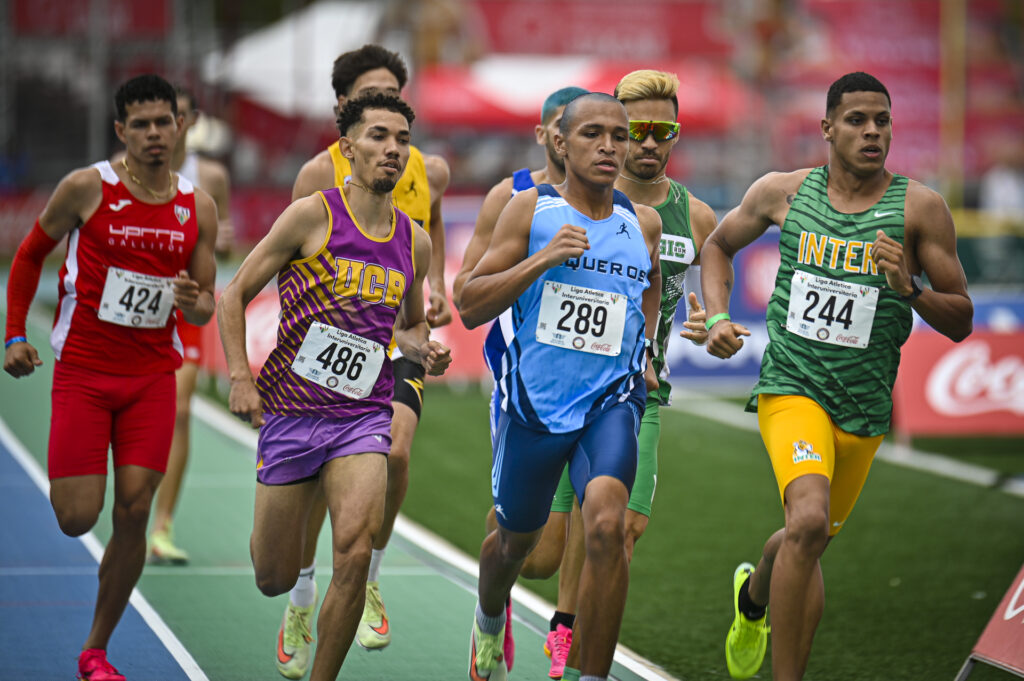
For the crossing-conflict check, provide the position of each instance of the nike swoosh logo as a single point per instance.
(383, 628)
(283, 657)
(885, 215)
(119, 205)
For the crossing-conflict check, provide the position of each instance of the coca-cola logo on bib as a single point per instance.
(968, 381)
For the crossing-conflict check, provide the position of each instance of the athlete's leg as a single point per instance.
(403, 429)
(546, 556)
(279, 523)
(170, 487)
(354, 486)
(641, 498)
(125, 554)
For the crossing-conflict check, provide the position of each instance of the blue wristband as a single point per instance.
(16, 339)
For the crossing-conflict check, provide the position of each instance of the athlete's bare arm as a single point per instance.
(497, 198)
(765, 203)
(505, 271)
(75, 199)
(214, 180)
(316, 175)
(412, 334)
(438, 177)
(929, 246)
(702, 222)
(298, 232)
(193, 289)
(650, 225)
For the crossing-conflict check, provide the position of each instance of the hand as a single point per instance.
(650, 378)
(21, 359)
(724, 338)
(186, 291)
(439, 313)
(696, 332)
(435, 358)
(244, 401)
(569, 242)
(888, 256)
(225, 238)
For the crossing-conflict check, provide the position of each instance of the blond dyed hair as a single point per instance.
(648, 84)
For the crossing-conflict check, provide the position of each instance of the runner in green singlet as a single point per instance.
(856, 239)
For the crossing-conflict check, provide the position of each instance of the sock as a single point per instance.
(750, 609)
(566, 619)
(376, 556)
(489, 625)
(593, 678)
(571, 674)
(303, 594)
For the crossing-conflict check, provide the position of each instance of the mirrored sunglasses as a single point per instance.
(662, 130)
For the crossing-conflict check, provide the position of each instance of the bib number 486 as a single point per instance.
(344, 362)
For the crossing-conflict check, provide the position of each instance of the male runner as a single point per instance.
(348, 264)
(584, 308)
(855, 240)
(651, 100)
(549, 553)
(418, 193)
(211, 177)
(140, 244)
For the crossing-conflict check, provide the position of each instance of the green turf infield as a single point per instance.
(910, 582)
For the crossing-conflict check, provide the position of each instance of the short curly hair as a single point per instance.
(349, 66)
(352, 112)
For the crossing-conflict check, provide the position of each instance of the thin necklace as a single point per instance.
(663, 178)
(155, 195)
(353, 183)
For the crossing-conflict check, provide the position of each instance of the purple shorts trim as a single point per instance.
(293, 448)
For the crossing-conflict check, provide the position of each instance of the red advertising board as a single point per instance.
(1002, 642)
(140, 19)
(947, 388)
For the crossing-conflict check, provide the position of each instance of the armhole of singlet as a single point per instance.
(327, 239)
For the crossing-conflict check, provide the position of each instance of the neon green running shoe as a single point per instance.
(747, 641)
(486, 659)
(293, 639)
(374, 631)
(162, 550)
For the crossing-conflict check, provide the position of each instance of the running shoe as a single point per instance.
(162, 550)
(486, 660)
(293, 639)
(747, 641)
(374, 632)
(509, 647)
(557, 648)
(93, 666)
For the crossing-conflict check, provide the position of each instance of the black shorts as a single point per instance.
(408, 383)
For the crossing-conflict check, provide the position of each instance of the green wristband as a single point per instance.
(717, 318)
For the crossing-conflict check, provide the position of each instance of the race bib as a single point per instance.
(338, 360)
(583, 319)
(831, 310)
(138, 300)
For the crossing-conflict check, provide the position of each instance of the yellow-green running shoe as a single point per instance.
(486, 659)
(293, 639)
(374, 631)
(747, 641)
(162, 550)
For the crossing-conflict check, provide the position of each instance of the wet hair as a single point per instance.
(349, 66)
(857, 81)
(183, 92)
(559, 98)
(570, 109)
(648, 84)
(352, 112)
(148, 87)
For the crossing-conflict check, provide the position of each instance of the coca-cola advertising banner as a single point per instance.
(976, 386)
(1002, 642)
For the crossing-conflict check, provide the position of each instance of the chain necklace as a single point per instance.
(663, 178)
(136, 180)
(353, 183)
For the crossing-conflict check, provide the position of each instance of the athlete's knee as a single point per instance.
(274, 580)
(807, 530)
(352, 547)
(131, 512)
(76, 519)
(605, 533)
(516, 546)
(183, 412)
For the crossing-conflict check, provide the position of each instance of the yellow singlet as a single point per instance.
(412, 193)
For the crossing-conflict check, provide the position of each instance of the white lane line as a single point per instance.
(215, 416)
(699, 404)
(95, 548)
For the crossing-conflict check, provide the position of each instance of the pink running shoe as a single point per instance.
(93, 666)
(509, 647)
(557, 648)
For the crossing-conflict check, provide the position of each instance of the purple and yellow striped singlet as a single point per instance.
(355, 283)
